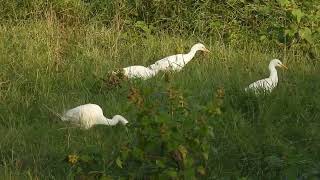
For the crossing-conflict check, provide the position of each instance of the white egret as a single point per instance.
(139, 72)
(178, 61)
(267, 84)
(89, 115)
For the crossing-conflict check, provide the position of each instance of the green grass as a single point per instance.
(47, 65)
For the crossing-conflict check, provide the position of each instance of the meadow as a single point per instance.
(194, 124)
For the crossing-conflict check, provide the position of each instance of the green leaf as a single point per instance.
(283, 2)
(306, 34)
(142, 26)
(274, 161)
(205, 155)
(171, 173)
(160, 163)
(106, 177)
(85, 158)
(201, 170)
(124, 154)
(298, 14)
(290, 32)
(119, 162)
(137, 153)
(189, 173)
(189, 162)
(79, 169)
(216, 24)
(263, 37)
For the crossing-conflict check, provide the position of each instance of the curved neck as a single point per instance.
(190, 55)
(273, 73)
(109, 122)
(193, 51)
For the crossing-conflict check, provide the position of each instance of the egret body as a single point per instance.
(139, 72)
(267, 84)
(89, 115)
(178, 61)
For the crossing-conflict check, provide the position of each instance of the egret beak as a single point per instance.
(282, 65)
(206, 50)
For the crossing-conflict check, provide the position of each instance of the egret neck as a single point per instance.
(273, 73)
(190, 55)
(106, 121)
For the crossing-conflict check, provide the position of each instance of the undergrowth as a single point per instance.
(195, 124)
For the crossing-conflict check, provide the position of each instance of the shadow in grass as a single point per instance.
(247, 104)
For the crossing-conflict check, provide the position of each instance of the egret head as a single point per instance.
(277, 63)
(199, 47)
(121, 119)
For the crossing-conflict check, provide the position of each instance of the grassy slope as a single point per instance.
(47, 65)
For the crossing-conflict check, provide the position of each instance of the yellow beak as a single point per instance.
(282, 65)
(206, 50)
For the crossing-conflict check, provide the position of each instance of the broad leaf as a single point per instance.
(306, 34)
(298, 14)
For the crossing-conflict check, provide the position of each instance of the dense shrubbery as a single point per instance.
(177, 129)
(287, 22)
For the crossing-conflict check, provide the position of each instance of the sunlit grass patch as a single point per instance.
(181, 124)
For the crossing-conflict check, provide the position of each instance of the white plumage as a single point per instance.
(267, 84)
(139, 72)
(89, 115)
(178, 61)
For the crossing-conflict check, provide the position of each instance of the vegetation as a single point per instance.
(195, 124)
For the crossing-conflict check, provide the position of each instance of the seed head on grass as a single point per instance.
(113, 79)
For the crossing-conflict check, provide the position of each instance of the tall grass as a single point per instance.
(48, 66)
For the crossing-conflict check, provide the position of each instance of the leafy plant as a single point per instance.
(169, 141)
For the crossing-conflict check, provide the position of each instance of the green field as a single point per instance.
(197, 123)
